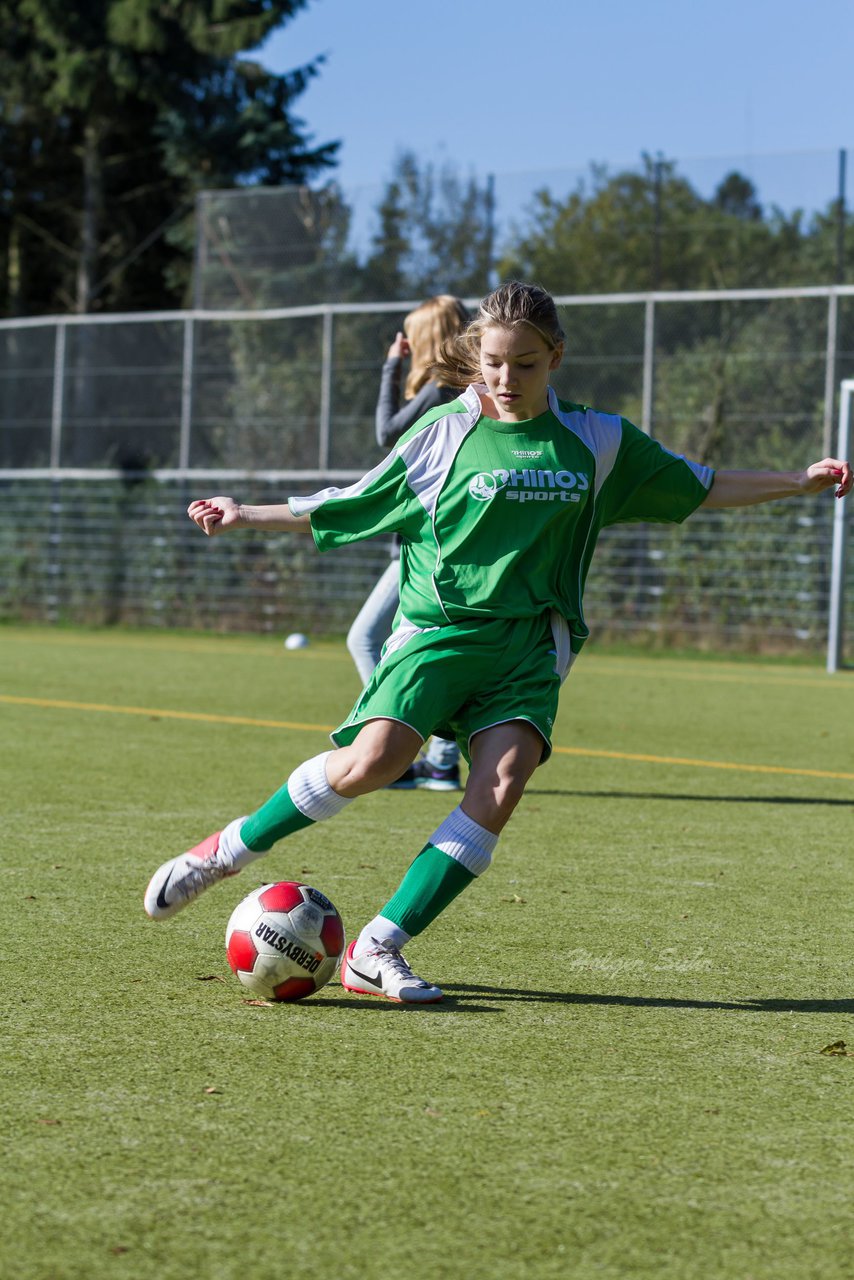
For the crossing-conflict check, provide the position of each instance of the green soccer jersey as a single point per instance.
(500, 519)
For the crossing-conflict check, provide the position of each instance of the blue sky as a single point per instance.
(535, 86)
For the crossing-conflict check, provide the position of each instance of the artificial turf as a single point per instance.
(637, 1069)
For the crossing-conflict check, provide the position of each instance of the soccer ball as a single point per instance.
(284, 941)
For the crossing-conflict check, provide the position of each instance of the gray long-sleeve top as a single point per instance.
(392, 418)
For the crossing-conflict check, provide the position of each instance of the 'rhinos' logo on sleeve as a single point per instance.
(529, 485)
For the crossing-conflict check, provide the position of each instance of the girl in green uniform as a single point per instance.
(498, 496)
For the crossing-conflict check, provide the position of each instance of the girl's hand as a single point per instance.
(213, 515)
(400, 348)
(823, 475)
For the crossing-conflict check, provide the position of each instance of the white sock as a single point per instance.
(382, 931)
(460, 837)
(232, 847)
(309, 789)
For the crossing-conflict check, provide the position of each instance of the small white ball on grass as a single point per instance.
(296, 641)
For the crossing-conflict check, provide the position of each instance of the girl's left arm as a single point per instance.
(746, 488)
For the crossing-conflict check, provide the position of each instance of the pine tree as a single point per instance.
(113, 115)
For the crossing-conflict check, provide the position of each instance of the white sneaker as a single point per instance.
(382, 971)
(182, 879)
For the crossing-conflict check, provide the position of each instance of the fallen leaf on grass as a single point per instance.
(44, 1120)
(838, 1049)
(514, 899)
(260, 1004)
(120, 1248)
(209, 977)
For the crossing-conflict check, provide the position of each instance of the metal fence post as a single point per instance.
(58, 395)
(491, 273)
(841, 219)
(837, 560)
(648, 365)
(830, 371)
(53, 586)
(325, 424)
(186, 393)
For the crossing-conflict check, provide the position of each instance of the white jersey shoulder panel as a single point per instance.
(704, 474)
(602, 433)
(430, 452)
(303, 506)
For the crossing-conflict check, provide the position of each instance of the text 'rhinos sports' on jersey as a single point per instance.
(528, 485)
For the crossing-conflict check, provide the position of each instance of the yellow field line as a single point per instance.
(156, 713)
(702, 764)
(758, 677)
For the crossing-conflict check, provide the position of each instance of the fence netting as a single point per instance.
(652, 224)
(728, 380)
(124, 552)
(109, 427)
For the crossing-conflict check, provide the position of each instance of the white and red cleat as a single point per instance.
(180, 880)
(382, 971)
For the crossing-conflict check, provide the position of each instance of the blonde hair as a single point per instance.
(428, 328)
(509, 306)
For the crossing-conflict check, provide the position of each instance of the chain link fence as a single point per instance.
(119, 552)
(109, 425)
(738, 377)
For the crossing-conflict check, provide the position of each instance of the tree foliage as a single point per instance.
(433, 230)
(651, 230)
(113, 114)
(435, 233)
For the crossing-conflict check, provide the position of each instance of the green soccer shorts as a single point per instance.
(459, 679)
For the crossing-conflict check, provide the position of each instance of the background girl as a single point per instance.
(425, 331)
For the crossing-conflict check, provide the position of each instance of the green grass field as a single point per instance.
(629, 1076)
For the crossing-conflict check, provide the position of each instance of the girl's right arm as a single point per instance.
(216, 515)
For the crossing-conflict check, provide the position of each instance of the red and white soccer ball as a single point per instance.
(284, 941)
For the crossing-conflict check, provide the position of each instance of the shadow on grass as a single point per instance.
(469, 998)
(451, 1004)
(664, 795)
(649, 1002)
